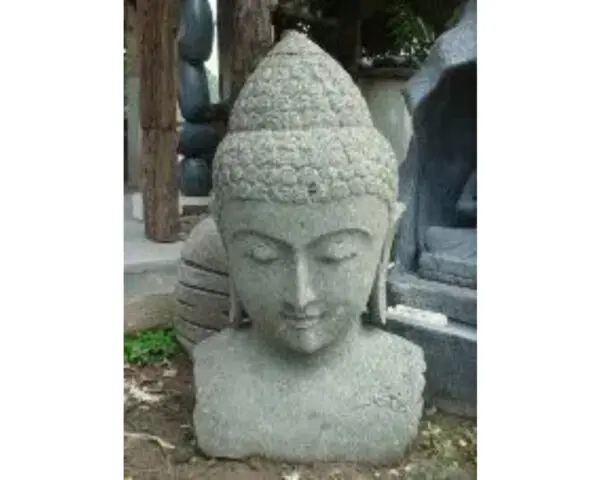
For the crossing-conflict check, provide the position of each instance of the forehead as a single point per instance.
(302, 224)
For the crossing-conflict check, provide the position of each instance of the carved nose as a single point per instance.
(300, 292)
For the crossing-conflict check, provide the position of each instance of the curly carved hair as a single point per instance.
(300, 132)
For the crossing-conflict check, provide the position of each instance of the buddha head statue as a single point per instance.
(304, 198)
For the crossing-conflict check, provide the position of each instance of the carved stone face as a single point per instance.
(304, 273)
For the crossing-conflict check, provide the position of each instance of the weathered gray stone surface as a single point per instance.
(436, 245)
(437, 237)
(201, 308)
(457, 46)
(193, 276)
(451, 256)
(189, 334)
(196, 31)
(202, 288)
(361, 403)
(204, 247)
(451, 355)
(185, 342)
(305, 200)
(304, 75)
(451, 300)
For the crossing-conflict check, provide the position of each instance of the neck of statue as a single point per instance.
(331, 353)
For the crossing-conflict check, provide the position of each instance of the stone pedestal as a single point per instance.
(436, 243)
(361, 403)
(451, 356)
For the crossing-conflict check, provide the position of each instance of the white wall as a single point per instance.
(389, 112)
(213, 62)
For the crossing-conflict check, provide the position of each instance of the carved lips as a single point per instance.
(302, 321)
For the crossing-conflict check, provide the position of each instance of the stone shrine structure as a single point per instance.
(305, 200)
(436, 245)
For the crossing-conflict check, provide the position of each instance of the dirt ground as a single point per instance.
(160, 445)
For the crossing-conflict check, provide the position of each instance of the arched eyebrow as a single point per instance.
(356, 231)
(254, 233)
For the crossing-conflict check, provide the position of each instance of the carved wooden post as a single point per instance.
(158, 119)
(245, 35)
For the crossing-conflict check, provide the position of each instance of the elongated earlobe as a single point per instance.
(377, 305)
(237, 317)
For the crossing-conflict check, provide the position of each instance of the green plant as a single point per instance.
(150, 346)
(409, 34)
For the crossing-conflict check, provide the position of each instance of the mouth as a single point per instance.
(303, 322)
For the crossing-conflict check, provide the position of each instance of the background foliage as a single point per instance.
(404, 29)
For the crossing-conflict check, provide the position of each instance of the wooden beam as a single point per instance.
(158, 118)
(245, 36)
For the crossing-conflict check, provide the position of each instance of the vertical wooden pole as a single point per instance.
(132, 82)
(245, 36)
(158, 119)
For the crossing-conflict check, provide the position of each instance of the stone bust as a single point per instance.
(305, 201)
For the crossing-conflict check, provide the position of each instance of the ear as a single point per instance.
(377, 305)
(237, 317)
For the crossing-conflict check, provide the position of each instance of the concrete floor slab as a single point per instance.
(142, 254)
(150, 268)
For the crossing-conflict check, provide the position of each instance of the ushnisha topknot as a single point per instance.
(300, 131)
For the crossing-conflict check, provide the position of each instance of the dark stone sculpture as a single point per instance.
(198, 140)
(196, 31)
(195, 177)
(194, 94)
(436, 244)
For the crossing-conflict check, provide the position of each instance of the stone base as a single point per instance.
(451, 357)
(360, 401)
(457, 303)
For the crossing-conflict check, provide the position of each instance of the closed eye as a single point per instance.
(337, 258)
(340, 246)
(263, 253)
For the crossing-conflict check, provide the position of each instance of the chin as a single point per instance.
(306, 343)
(306, 348)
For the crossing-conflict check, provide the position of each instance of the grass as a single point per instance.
(150, 346)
